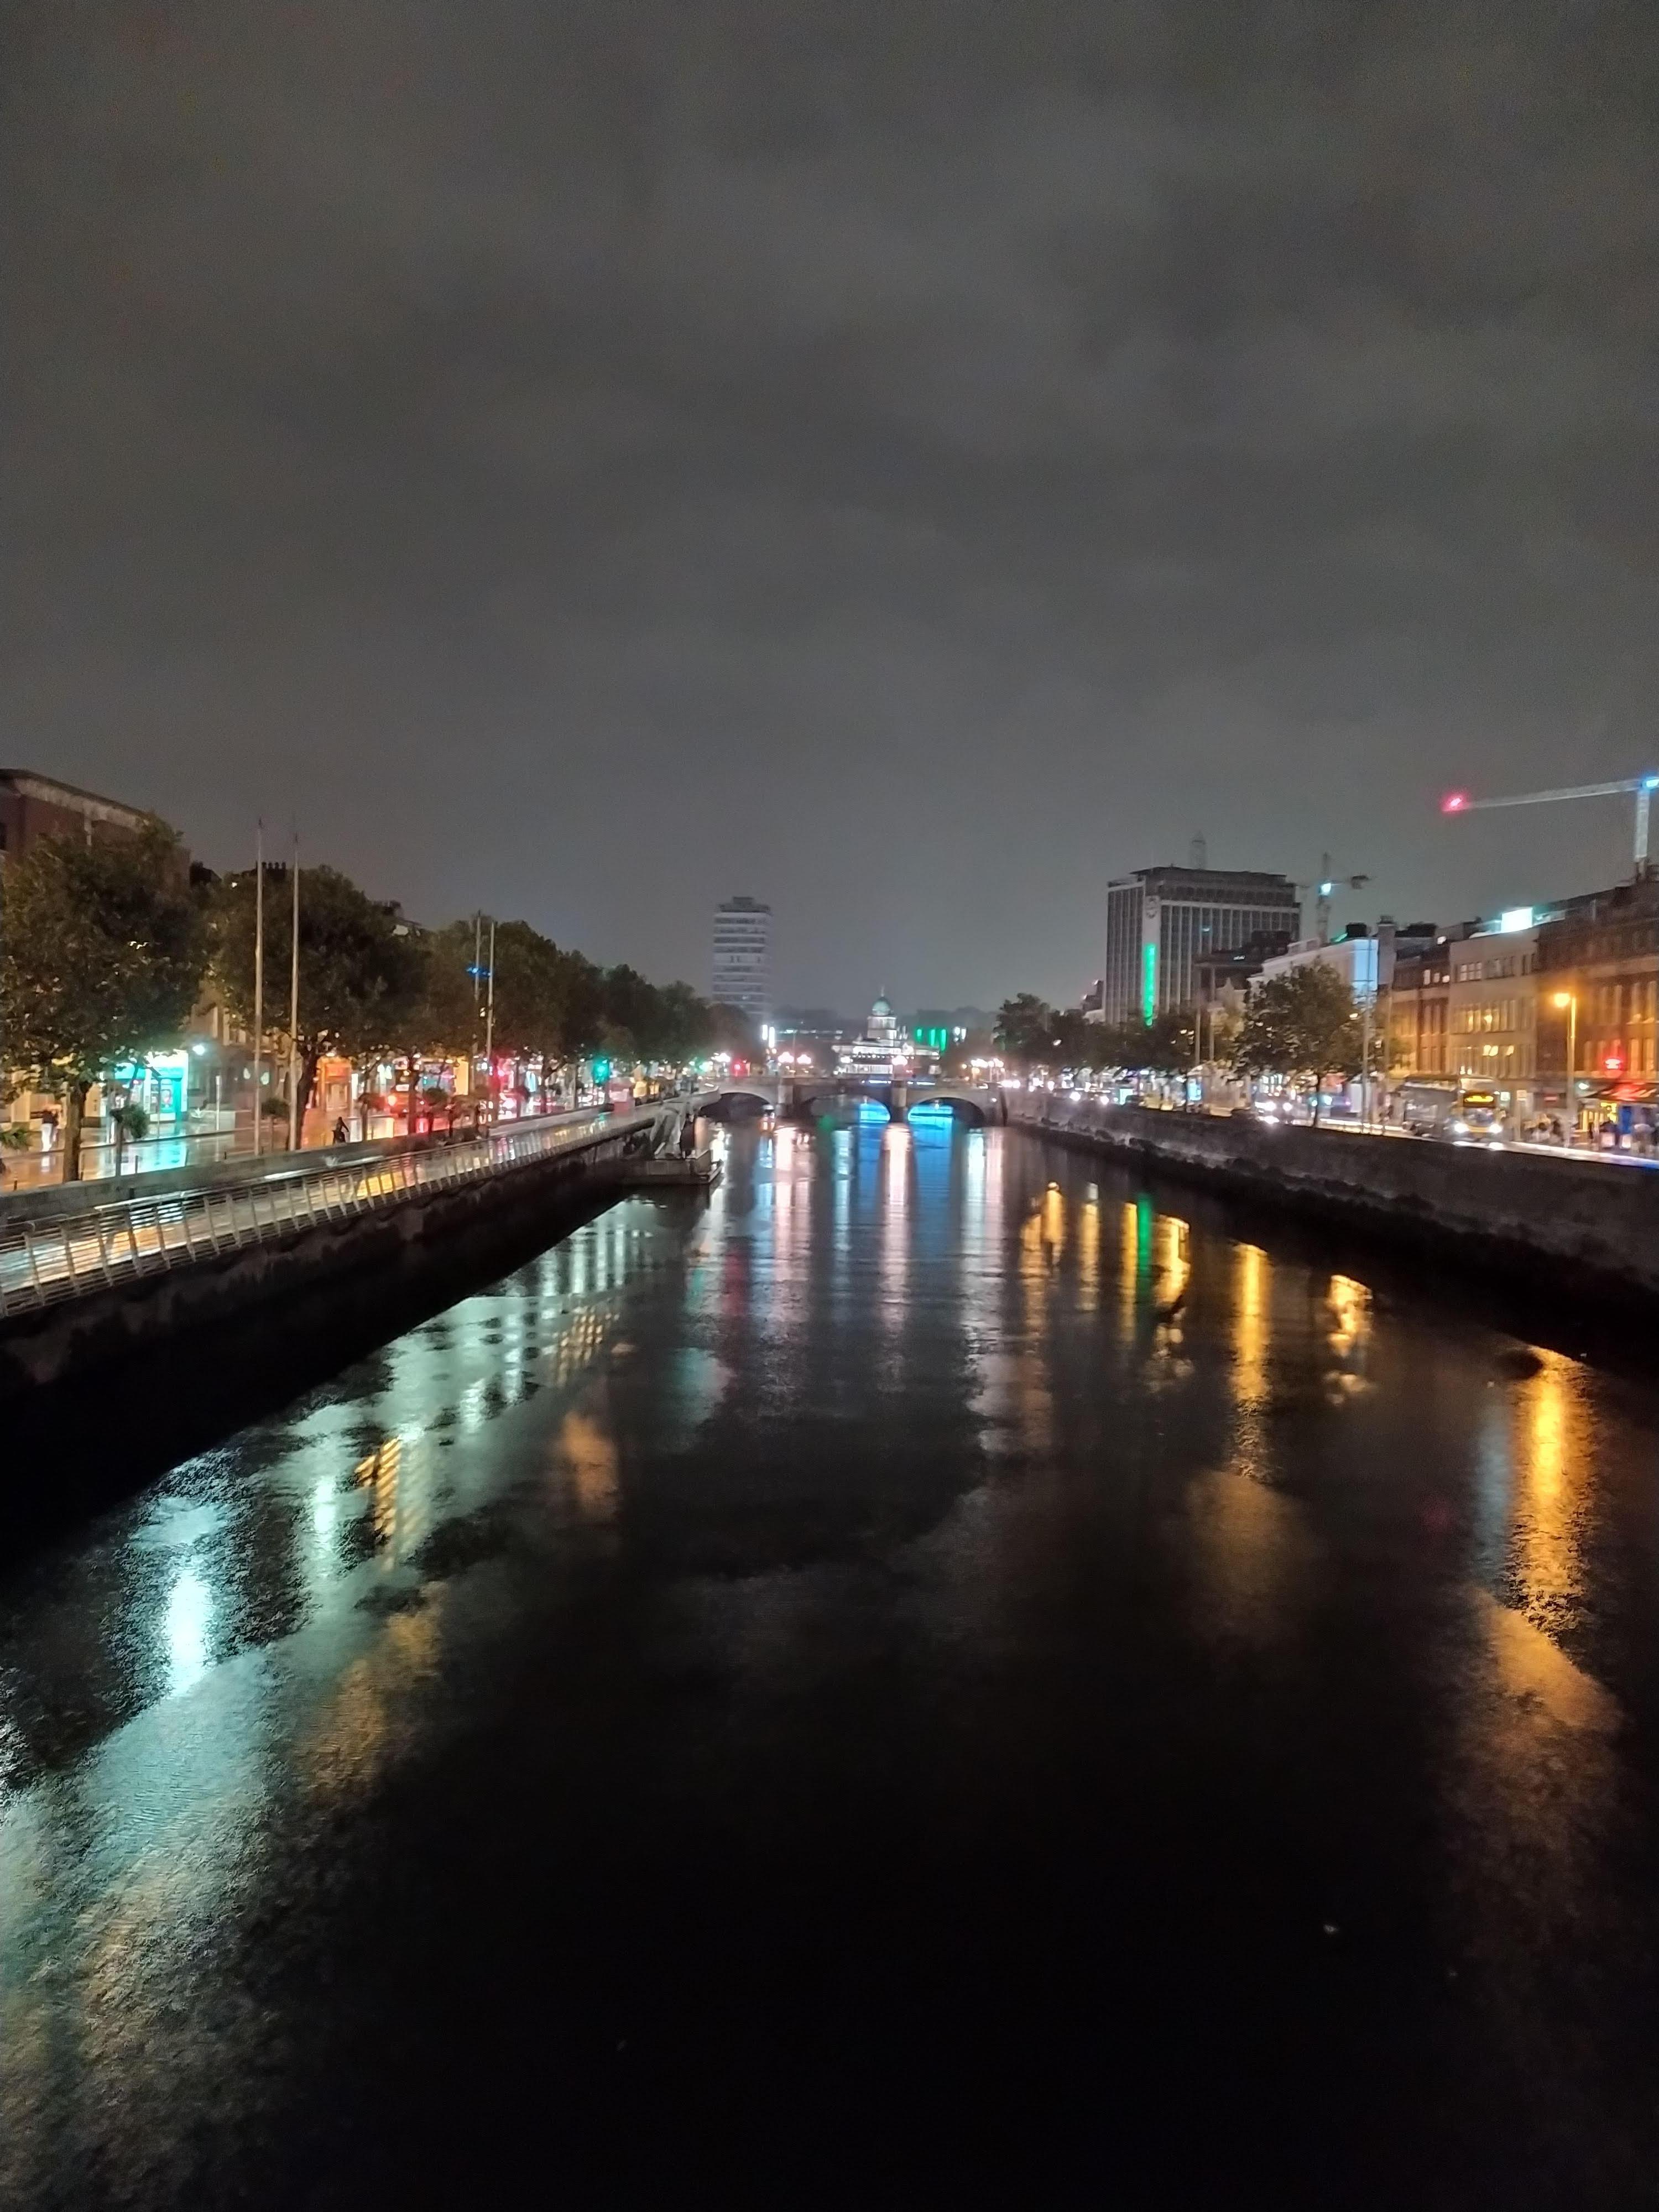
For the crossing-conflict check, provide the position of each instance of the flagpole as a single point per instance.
(259, 971)
(489, 1027)
(295, 1129)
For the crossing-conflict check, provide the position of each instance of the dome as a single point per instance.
(881, 1006)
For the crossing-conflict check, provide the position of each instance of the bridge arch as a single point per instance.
(737, 1099)
(811, 1097)
(961, 1104)
(751, 1101)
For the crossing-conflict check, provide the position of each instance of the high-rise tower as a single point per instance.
(742, 967)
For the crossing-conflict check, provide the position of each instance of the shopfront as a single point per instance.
(160, 1084)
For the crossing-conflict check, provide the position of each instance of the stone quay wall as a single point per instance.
(1589, 1224)
(223, 1306)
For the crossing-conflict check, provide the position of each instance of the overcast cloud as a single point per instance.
(908, 461)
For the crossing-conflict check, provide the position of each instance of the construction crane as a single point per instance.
(1643, 787)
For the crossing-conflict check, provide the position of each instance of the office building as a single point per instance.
(742, 970)
(1161, 922)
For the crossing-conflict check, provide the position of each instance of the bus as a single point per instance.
(1443, 1110)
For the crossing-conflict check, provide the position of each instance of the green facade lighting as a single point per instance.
(1148, 981)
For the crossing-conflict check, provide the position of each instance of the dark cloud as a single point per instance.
(909, 460)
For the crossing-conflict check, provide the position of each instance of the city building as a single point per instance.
(883, 1047)
(1597, 1023)
(1161, 921)
(1491, 1010)
(1420, 1012)
(942, 1028)
(1221, 988)
(33, 806)
(1363, 957)
(742, 967)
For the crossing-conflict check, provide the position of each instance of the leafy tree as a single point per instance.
(100, 956)
(630, 1014)
(131, 1125)
(532, 980)
(686, 1023)
(447, 1018)
(1069, 1039)
(361, 970)
(1162, 1046)
(1024, 1027)
(1304, 1025)
(731, 1029)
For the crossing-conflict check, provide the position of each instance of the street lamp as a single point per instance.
(1568, 1002)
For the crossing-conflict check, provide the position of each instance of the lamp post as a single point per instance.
(295, 1120)
(1568, 1002)
(258, 973)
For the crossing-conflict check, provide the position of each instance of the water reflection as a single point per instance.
(1252, 1277)
(881, 1360)
(189, 1616)
(1088, 1250)
(585, 1453)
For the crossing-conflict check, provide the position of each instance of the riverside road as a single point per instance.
(945, 1673)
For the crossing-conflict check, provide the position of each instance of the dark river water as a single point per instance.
(944, 1675)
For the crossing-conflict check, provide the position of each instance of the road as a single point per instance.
(940, 1675)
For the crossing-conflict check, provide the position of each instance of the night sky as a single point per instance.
(909, 462)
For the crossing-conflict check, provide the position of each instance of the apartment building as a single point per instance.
(1492, 1009)
(1598, 990)
(1420, 1012)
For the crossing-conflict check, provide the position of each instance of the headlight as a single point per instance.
(1460, 1128)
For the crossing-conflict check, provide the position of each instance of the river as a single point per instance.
(944, 1670)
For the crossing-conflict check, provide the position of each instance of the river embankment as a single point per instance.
(1589, 1225)
(278, 1247)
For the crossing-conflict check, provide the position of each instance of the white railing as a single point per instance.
(42, 1262)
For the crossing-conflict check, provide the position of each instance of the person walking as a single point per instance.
(342, 1134)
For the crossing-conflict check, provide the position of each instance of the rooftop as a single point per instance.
(48, 791)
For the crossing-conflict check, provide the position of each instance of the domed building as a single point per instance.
(884, 1050)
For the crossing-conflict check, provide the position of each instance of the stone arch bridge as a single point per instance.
(800, 1096)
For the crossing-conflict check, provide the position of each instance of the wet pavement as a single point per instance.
(943, 1673)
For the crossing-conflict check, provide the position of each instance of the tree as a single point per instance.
(447, 1018)
(1162, 1046)
(1069, 1038)
(1304, 1025)
(100, 956)
(1024, 1028)
(731, 1029)
(361, 970)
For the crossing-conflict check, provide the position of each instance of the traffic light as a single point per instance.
(602, 1070)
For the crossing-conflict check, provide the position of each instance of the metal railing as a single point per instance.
(45, 1262)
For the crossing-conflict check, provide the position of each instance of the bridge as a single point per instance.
(793, 1096)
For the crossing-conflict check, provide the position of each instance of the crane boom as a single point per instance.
(1643, 787)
